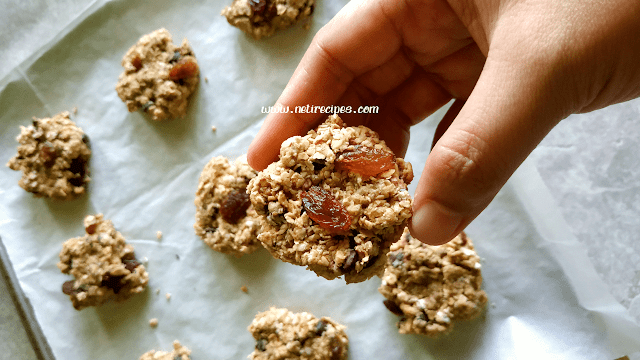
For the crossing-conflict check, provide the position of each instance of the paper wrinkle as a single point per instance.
(145, 176)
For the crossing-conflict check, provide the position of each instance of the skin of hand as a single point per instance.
(514, 67)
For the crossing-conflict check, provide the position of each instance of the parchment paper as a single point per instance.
(546, 299)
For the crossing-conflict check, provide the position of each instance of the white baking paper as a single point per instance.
(546, 299)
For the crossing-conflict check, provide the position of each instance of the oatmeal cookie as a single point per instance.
(261, 18)
(225, 219)
(103, 264)
(432, 286)
(179, 352)
(281, 335)
(53, 156)
(158, 76)
(334, 202)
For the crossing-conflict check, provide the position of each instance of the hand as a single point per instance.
(515, 67)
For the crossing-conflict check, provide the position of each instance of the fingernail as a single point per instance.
(433, 224)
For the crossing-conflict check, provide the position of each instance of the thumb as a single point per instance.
(510, 110)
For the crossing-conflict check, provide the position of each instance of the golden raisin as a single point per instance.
(325, 210)
(183, 69)
(365, 161)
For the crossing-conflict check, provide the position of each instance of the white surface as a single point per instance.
(547, 298)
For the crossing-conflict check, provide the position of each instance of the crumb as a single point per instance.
(145, 260)
(206, 79)
(153, 322)
(159, 235)
(214, 128)
(244, 288)
(168, 296)
(74, 110)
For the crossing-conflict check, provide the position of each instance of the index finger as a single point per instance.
(358, 39)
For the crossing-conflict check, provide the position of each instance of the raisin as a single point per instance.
(325, 210)
(91, 229)
(137, 63)
(185, 68)
(112, 282)
(365, 161)
(48, 153)
(321, 326)
(393, 307)
(235, 206)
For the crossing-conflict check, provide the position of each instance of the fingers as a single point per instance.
(359, 39)
(508, 113)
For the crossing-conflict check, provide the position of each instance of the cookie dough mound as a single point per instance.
(432, 286)
(179, 353)
(261, 18)
(282, 335)
(224, 218)
(53, 156)
(333, 220)
(158, 76)
(103, 264)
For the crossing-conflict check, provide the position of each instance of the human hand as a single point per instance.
(515, 67)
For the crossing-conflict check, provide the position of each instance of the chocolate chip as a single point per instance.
(131, 265)
(319, 164)
(321, 326)
(393, 307)
(258, 6)
(396, 259)
(336, 349)
(78, 166)
(350, 261)
(76, 181)
(371, 261)
(175, 57)
(146, 106)
(261, 344)
(67, 287)
(112, 282)
(128, 256)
